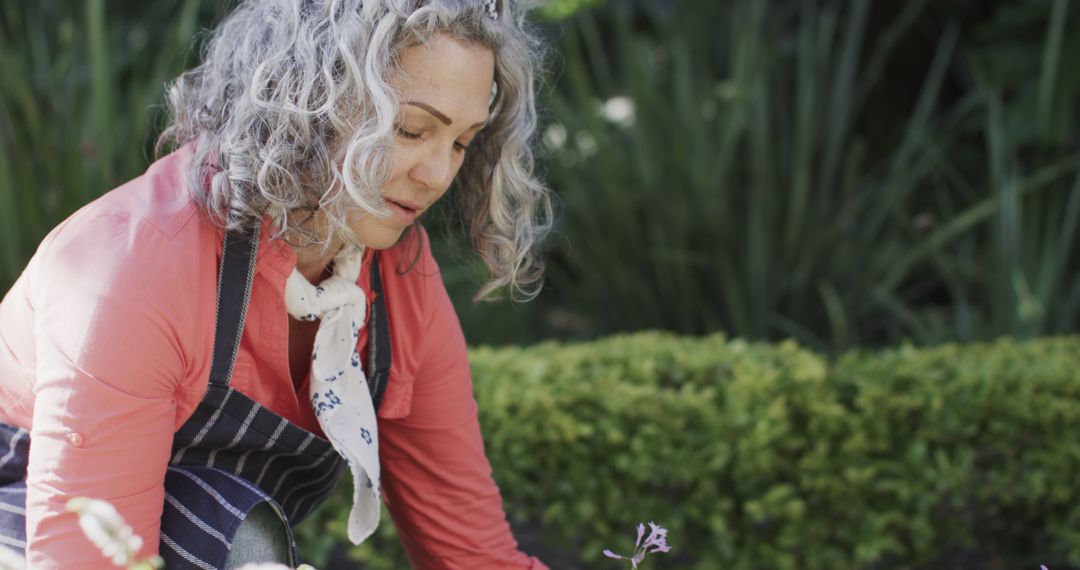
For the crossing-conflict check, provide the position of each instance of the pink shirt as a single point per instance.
(105, 344)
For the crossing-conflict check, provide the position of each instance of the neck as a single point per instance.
(313, 262)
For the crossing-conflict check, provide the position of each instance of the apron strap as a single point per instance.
(235, 275)
(378, 338)
(234, 292)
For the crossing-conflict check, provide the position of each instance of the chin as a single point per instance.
(381, 237)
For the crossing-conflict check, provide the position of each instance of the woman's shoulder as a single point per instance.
(133, 222)
(125, 282)
(145, 234)
(158, 199)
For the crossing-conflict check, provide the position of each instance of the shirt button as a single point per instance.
(75, 438)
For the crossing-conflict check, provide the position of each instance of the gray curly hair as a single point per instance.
(292, 99)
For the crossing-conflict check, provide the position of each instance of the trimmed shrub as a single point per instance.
(768, 456)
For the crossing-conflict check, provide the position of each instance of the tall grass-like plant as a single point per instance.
(1003, 259)
(82, 82)
(80, 103)
(721, 165)
(741, 192)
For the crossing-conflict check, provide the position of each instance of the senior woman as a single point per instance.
(211, 345)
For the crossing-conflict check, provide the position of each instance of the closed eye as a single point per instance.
(407, 134)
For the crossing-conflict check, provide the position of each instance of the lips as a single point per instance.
(404, 210)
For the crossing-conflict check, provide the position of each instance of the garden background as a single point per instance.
(851, 227)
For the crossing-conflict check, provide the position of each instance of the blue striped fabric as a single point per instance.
(247, 455)
(14, 451)
(232, 455)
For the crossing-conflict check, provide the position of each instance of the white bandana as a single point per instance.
(339, 390)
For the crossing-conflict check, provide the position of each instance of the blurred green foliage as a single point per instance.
(82, 82)
(769, 456)
(841, 172)
(560, 9)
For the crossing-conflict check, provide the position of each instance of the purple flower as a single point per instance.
(656, 542)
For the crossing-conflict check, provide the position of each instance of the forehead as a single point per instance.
(446, 72)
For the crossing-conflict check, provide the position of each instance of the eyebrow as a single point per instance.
(439, 114)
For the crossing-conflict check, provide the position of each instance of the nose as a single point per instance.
(436, 169)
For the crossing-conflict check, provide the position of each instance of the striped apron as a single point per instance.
(232, 454)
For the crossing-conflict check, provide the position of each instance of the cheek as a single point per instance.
(404, 155)
(399, 168)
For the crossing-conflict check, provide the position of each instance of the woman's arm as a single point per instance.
(436, 477)
(108, 365)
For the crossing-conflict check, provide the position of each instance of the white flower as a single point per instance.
(586, 143)
(555, 136)
(107, 530)
(656, 542)
(619, 110)
(11, 560)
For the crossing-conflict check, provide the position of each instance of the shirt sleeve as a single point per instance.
(436, 478)
(108, 366)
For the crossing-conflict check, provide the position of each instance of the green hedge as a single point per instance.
(770, 456)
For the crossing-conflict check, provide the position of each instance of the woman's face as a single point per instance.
(444, 89)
